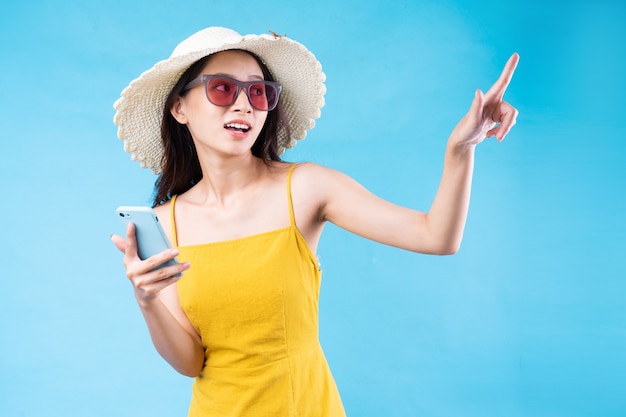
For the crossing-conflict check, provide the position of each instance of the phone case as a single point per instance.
(151, 238)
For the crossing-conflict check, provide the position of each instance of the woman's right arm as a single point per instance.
(172, 334)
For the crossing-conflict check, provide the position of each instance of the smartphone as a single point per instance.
(151, 238)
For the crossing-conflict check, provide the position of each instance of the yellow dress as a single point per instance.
(254, 302)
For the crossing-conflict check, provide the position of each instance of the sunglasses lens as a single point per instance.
(258, 96)
(221, 91)
(271, 97)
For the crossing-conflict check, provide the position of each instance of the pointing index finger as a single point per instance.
(500, 86)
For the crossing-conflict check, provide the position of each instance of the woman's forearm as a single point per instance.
(181, 350)
(448, 212)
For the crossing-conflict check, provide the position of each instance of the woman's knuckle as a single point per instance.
(154, 262)
(164, 273)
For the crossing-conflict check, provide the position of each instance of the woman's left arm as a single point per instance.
(348, 205)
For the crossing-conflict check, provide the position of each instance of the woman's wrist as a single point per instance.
(457, 148)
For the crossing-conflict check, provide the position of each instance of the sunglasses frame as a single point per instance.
(204, 79)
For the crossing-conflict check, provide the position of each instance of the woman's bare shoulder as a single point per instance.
(315, 176)
(312, 170)
(311, 183)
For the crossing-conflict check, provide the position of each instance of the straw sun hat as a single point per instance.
(140, 106)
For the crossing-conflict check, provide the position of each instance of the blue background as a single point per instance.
(528, 319)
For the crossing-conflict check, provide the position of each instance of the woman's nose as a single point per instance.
(242, 103)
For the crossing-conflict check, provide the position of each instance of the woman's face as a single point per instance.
(229, 130)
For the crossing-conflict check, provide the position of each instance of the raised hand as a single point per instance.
(488, 115)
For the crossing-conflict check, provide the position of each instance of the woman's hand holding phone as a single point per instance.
(152, 268)
(149, 276)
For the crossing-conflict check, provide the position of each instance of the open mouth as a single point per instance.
(237, 127)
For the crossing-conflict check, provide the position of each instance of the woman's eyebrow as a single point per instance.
(253, 76)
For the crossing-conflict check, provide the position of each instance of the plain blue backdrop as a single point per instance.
(528, 319)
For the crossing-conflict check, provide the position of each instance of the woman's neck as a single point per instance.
(224, 179)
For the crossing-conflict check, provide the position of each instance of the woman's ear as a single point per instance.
(177, 112)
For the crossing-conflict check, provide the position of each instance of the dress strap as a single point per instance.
(292, 217)
(173, 222)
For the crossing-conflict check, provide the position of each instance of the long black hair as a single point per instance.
(180, 164)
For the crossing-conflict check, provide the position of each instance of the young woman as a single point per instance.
(212, 121)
